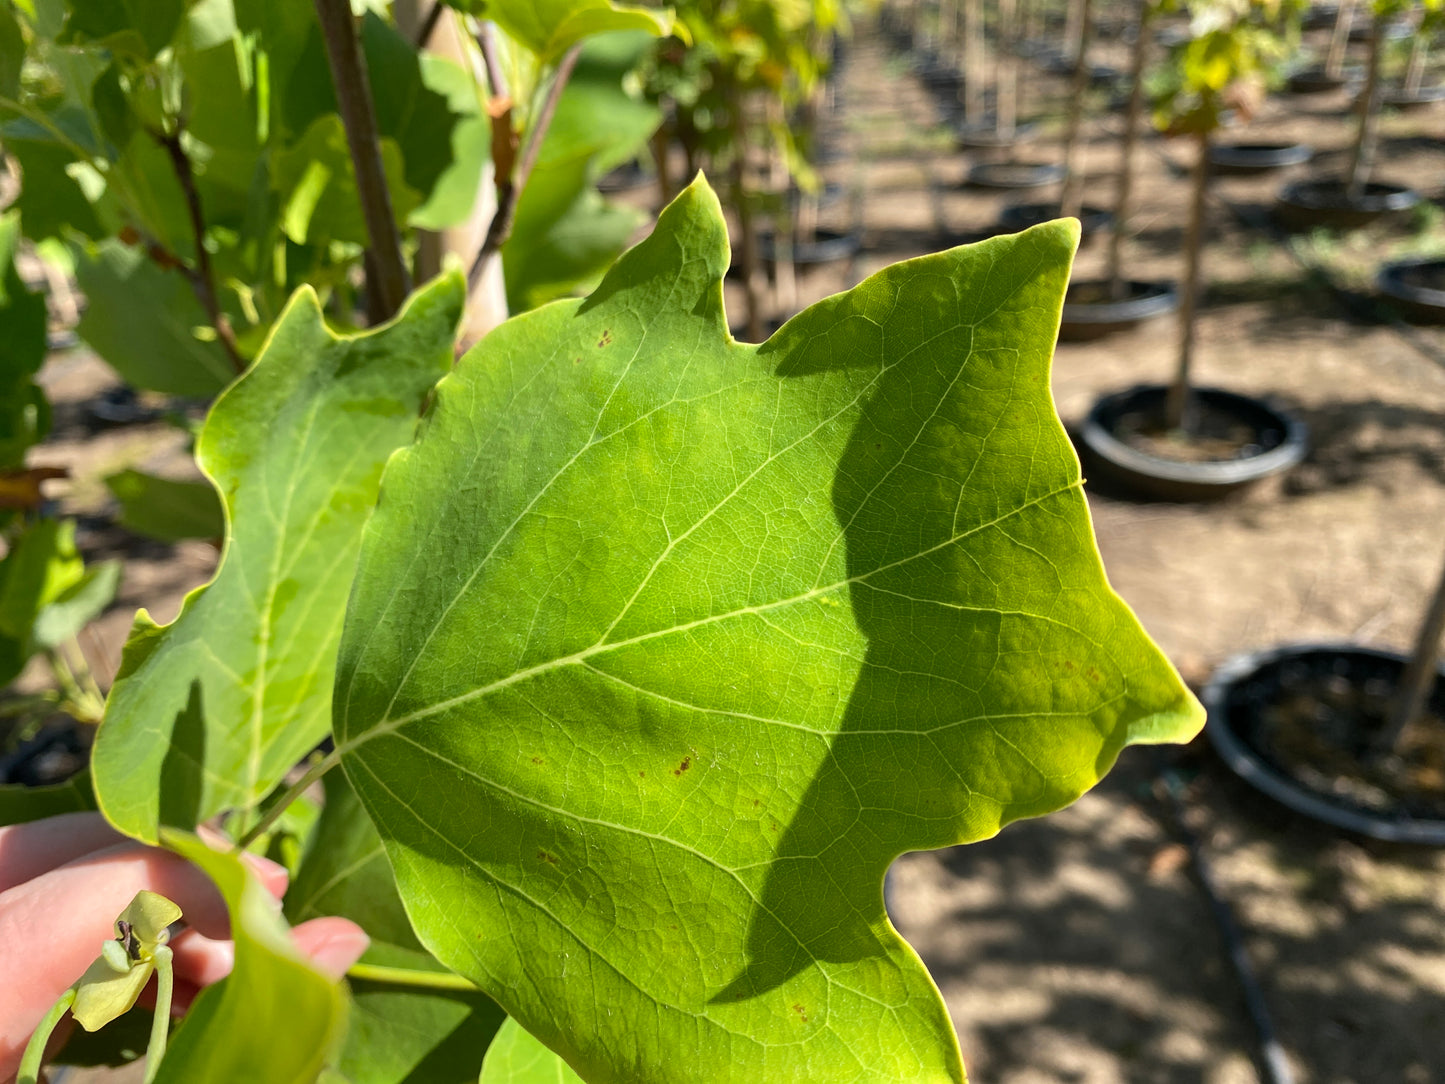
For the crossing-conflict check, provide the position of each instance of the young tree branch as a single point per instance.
(201, 276)
(389, 279)
(510, 185)
(429, 24)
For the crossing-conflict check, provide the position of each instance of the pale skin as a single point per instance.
(63, 881)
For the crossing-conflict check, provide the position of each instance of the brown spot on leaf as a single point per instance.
(536, 760)
(757, 801)
(642, 775)
(801, 1014)
(605, 340)
(544, 856)
(684, 766)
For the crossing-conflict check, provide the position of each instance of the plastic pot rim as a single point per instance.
(1225, 474)
(1245, 763)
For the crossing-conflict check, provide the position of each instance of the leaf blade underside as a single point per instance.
(663, 646)
(208, 713)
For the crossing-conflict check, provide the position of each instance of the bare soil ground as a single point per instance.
(1081, 947)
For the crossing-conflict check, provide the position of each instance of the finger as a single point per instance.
(28, 850)
(272, 875)
(201, 960)
(331, 944)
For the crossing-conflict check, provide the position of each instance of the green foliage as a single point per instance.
(425, 1036)
(515, 1057)
(565, 234)
(166, 509)
(244, 88)
(548, 28)
(20, 804)
(662, 647)
(645, 652)
(1233, 51)
(274, 1018)
(24, 412)
(47, 595)
(143, 320)
(210, 712)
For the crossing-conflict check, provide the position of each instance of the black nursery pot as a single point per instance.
(1416, 287)
(1306, 205)
(1407, 101)
(1251, 158)
(1015, 174)
(1242, 695)
(1315, 81)
(1091, 313)
(1020, 216)
(1273, 442)
(625, 178)
(985, 135)
(826, 246)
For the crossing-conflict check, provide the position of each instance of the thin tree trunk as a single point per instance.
(1362, 154)
(1072, 196)
(1420, 673)
(660, 142)
(1006, 110)
(1133, 113)
(973, 77)
(1335, 59)
(487, 295)
(1415, 69)
(785, 279)
(1177, 403)
(353, 98)
(1073, 19)
(948, 30)
(747, 236)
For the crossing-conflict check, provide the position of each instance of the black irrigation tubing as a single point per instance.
(1361, 306)
(1271, 1051)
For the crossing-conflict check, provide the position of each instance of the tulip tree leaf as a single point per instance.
(210, 712)
(550, 27)
(516, 1058)
(274, 1018)
(662, 647)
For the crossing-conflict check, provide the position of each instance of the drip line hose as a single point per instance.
(1169, 788)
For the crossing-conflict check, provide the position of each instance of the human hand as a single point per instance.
(63, 881)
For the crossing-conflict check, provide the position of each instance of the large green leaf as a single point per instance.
(397, 1033)
(211, 711)
(662, 647)
(550, 27)
(274, 1018)
(143, 321)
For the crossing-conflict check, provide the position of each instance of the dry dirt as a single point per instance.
(1081, 947)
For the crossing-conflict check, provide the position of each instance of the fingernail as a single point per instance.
(336, 954)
